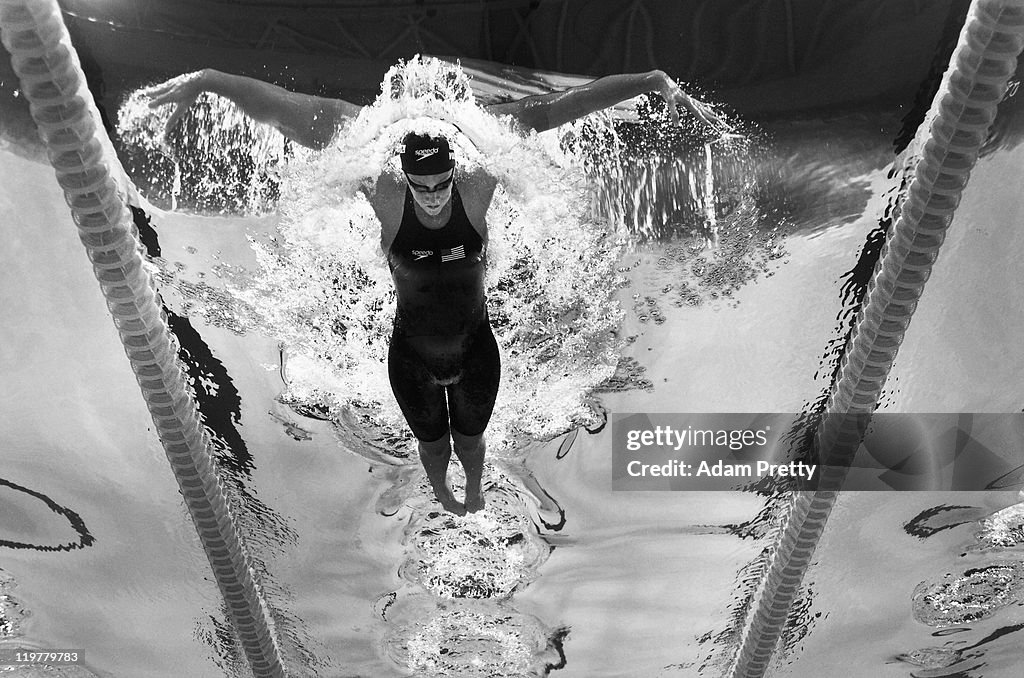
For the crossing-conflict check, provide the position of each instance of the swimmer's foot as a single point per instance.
(474, 501)
(449, 502)
(474, 493)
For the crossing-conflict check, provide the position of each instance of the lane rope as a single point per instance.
(949, 141)
(96, 191)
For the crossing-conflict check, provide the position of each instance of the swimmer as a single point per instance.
(443, 361)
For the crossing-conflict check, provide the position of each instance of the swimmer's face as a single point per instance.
(431, 191)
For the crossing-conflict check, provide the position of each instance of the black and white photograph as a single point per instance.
(511, 338)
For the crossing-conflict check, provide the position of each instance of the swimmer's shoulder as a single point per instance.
(476, 189)
(387, 198)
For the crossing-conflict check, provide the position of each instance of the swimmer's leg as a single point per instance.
(435, 456)
(470, 403)
(470, 450)
(422, 401)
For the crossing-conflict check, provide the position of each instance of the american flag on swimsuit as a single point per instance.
(453, 254)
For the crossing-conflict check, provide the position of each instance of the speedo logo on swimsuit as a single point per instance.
(423, 153)
(421, 254)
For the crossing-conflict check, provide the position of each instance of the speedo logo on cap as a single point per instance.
(424, 153)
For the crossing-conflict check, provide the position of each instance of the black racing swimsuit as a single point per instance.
(443, 361)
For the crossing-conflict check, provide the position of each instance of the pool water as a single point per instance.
(98, 553)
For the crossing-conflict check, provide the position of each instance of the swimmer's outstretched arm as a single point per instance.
(547, 111)
(308, 120)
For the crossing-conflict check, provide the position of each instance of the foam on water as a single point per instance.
(11, 611)
(976, 594)
(471, 638)
(324, 289)
(1004, 529)
(489, 554)
(983, 589)
(568, 204)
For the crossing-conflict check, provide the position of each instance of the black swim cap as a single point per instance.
(426, 155)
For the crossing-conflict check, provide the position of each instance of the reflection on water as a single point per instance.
(939, 518)
(12, 496)
(957, 659)
(265, 532)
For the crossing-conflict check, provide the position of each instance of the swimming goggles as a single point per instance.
(421, 188)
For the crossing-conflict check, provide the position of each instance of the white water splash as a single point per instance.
(1004, 529)
(566, 204)
(488, 554)
(216, 159)
(325, 290)
(470, 639)
(655, 178)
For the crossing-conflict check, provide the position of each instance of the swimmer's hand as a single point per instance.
(181, 92)
(676, 98)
